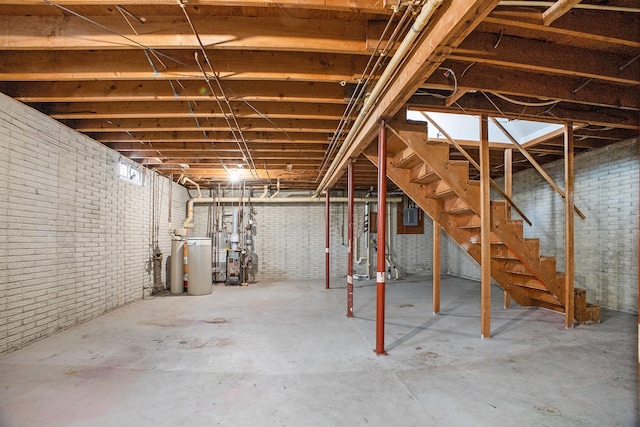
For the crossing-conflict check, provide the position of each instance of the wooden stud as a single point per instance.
(485, 231)
(569, 226)
(508, 189)
(436, 267)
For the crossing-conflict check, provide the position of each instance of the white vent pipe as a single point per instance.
(188, 222)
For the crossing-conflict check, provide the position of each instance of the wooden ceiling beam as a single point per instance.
(478, 104)
(162, 90)
(189, 124)
(216, 154)
(368, 6)
(222, 175)
(181, 65)
(233, 161)
(587, 29)
(203, 147)
(522, 83)
(211, 137)
(549, 58)
(173, 32)
(180, 109)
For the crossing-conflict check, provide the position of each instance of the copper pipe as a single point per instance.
(327, 235)
(350, 203)
(382, 224)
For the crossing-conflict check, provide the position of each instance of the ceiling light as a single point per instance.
(234, 175)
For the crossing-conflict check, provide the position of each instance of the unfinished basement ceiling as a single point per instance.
(273, 81)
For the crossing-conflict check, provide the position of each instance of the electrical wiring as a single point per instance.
(438, 95)
(359, 90)
(124, 12)
(226, 118)
(494, 105)
(236, 127)
(363, 82)
(526, 104)
(158, 55)
(129, 39)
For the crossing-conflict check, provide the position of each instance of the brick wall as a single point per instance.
(606, 243)
(75, 238)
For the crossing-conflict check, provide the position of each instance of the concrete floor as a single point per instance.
(284, 354)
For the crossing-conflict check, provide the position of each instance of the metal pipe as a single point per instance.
(170, 201)
(188, 222)
(185, 179)
(235, 237)
(368, 217)
(421, 21)
(365, 231)
(350, 205)
(390, 263)
(277, 190)
(382, 203)
(327, 239)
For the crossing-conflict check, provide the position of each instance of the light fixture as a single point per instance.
(234, 175)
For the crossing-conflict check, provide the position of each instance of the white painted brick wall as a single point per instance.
(74, 237)
(606, 243)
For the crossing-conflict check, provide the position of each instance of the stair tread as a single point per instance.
(519, 273)
(533, 277)
(457, 211)
(426, 178)
(505, 258)
(443, 194)
(529, 285)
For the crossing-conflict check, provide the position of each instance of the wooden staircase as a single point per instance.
(442, 188)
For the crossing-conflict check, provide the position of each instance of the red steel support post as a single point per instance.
(350, 202)
(382, 224)
(327, 234)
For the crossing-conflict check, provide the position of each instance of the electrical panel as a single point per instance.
(410, 217)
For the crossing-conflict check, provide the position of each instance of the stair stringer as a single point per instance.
(433, 208)
(433, 154)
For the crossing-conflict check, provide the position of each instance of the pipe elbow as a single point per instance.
(188, 221)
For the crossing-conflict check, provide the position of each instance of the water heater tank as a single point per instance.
(177, 267)
(200, 267)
